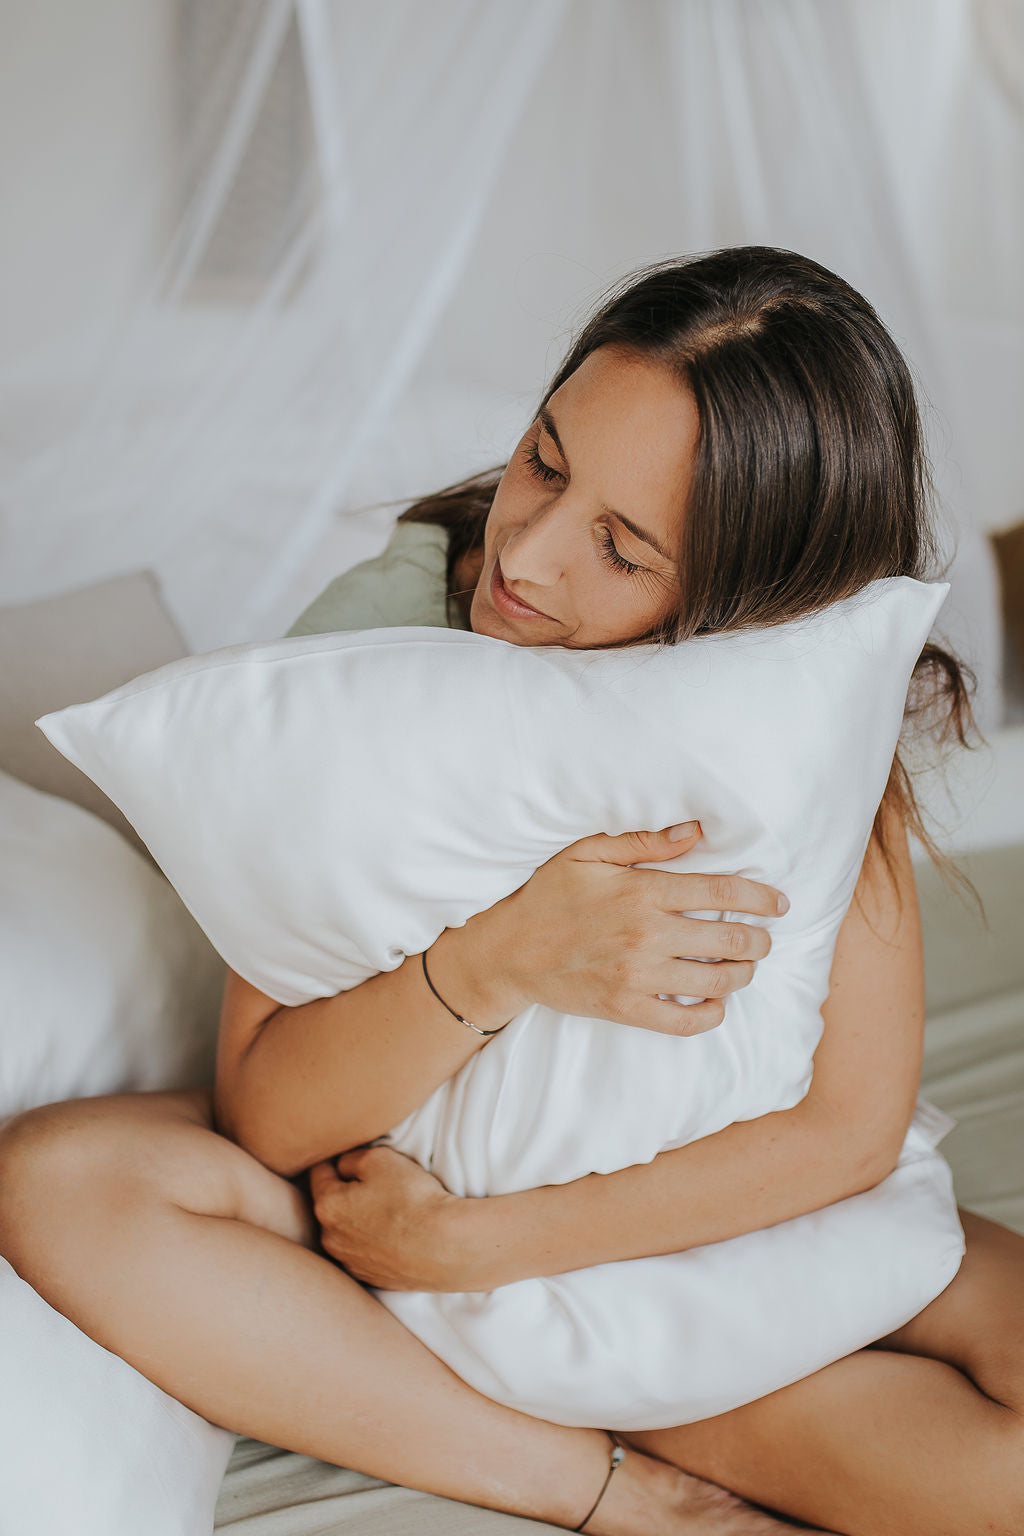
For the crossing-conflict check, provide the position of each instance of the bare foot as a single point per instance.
(649, 1497)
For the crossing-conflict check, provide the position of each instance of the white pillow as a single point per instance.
(107, 985)
(106, 982)
(327, 805)
(91, 1447)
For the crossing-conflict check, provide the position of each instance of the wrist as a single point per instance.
(466, 968)
(496, 1240)
(467, 1248)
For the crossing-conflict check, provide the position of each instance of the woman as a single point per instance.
(732, 441)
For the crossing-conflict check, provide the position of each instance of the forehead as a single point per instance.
(629, 429)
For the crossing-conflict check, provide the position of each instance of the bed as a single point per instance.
(75, 646)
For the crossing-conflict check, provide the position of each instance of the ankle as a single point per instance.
(641, 1499)
(617, 1455)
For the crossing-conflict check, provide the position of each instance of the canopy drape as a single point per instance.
(270, 262)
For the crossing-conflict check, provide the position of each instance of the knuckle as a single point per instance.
(323, 1205)
(717, 982)
(720, 890)
(737, 939)
(691, 1020)
(679, 1020)
(632, 936)
(711, 1014)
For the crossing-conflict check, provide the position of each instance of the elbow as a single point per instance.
(870, 1165)
(250, 1132)
(264, 1137)
(273, 1154)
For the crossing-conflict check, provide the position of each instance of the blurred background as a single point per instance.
(268, 264)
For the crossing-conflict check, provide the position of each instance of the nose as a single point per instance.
(538, 551)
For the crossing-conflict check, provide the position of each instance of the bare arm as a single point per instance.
(394, 1226)
(295, 1085)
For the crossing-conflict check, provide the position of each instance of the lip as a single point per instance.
(506, 603)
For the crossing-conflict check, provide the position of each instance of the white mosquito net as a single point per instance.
(269, 262)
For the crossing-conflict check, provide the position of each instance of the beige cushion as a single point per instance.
(67, 649)
(974, 1042)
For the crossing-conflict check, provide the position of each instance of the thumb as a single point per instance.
(322, 1177)
(644, 847)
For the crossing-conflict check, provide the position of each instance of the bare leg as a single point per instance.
(920, 1435)
(205, 1281)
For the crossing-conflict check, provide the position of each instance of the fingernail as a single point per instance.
(782, 904)
(683, 829)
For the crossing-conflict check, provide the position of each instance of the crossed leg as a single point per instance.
(922, 1434)
(177, 1250)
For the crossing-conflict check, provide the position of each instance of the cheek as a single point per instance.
(499, 514)
(618, 607)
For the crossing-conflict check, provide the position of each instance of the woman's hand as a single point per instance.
(587, 934)
(383, 1218)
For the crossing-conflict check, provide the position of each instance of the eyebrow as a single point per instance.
(547, 421)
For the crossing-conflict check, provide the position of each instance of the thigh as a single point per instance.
(977, 1323)
(84, 1154)
(923, 1430)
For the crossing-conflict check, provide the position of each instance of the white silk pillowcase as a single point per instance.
(327, 805)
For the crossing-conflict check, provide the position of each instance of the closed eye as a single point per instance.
(608, 550)
(540, 469)
(612, 555)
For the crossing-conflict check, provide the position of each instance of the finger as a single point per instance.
(703, 978)
(322, 1179)
(691, 938)
(666, 1017)
(637, 847)
(715, 893)
(352, 1164)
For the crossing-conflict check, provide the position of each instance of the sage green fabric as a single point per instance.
(404, 584)
(974, 1069)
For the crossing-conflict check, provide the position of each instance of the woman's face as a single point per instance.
(585, 522)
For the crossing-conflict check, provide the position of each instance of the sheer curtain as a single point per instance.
(275, 260)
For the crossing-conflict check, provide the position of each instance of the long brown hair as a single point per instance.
(810, 478)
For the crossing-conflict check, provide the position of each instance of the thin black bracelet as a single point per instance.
(455, 1015)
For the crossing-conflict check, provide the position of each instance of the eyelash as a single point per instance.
(610, 553)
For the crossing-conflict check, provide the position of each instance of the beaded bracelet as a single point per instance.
(455, 1015)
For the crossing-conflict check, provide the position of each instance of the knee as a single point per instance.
(43, 1156)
